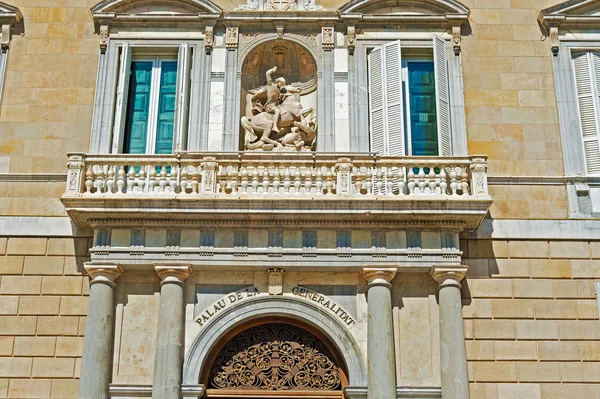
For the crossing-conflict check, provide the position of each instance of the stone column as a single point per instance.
(380, 337)
(168, 358)
(453, 356)
(97, 344)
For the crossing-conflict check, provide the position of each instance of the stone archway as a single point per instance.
(252, 310)
(274, 358)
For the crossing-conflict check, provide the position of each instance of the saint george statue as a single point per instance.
(278, 121)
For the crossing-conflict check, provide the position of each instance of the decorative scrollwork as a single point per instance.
(275, 357)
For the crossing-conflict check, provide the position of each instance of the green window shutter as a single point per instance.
(138, 110)
(423, 109)
(376, 101)
(587, 74)
(167, 100)
(122, 98)
(385, 99)
(393, 96)
(184, 65)
(442, 96)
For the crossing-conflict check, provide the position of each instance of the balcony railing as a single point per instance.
(273, 176)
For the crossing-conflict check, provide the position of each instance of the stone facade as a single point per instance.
(530, 287)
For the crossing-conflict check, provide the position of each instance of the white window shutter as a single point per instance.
(393, 96)
(442, 96)
(377, 101)
(587, 74)
(385, 99)
(121, 103)
(184, 62)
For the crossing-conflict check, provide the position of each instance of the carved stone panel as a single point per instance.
(275, 357)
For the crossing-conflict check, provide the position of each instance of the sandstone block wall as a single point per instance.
(531, 319)
(43, 307)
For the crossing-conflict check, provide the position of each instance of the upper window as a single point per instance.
(409, 112)
(586, 67)
(145, 85)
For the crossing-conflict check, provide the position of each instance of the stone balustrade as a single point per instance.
(248, 175)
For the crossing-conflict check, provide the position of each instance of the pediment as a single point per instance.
(9, 15)
(408, 8)
(575, 8)
(578, 14)
(156, 8)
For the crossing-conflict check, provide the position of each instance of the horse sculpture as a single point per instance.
(294, 126)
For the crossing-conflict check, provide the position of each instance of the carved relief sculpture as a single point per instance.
(278, 121)
(280, 5)
(208, 39)
(231, 38)
(275, 357)
(327, 38)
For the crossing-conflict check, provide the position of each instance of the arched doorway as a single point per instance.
(268, 359)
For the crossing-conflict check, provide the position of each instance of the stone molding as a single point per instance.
(103, 273)
(9, 17)
(379, 275)
(176, 273)
(448, 275)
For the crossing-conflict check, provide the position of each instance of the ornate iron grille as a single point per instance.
(275, 357)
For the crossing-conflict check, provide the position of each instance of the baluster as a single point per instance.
(421, 180)
(89, 179)
(244, 177)
(228, 176)
(234, 180)
(369, 180)
(378, 180)
(162, 184)
(142, 178)
(328, 182)
(276, 180)
(464, 181)
(99, 183)
(254, 180)
(297, 181)
(401, 182)
(308, 180)
(110, 179)
(319, 181)
(426, 186)
(172, 180)
(121, 179)
(152, 180)
(443, 182)
(286, 180)
(453, 181)
(358, 180)
(411, 180)
(184, 183)
(434, 181)
(266, 183)
(389, 180)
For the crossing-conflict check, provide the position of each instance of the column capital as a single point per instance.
(448, 275)
(379, 275)
(174, 273)
(105, 273)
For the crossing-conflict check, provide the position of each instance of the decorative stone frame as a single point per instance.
(569, 29)
(9, 18)
(118, 22)
(274, 306)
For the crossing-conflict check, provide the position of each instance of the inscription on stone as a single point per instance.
(324, 301)
(225, 302)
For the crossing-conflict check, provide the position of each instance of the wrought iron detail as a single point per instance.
(275, 357)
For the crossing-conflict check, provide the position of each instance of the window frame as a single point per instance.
(569, 120)
(111, 91)
(154, 103)
(412, 40)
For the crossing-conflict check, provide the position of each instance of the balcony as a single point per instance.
(282, 188)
